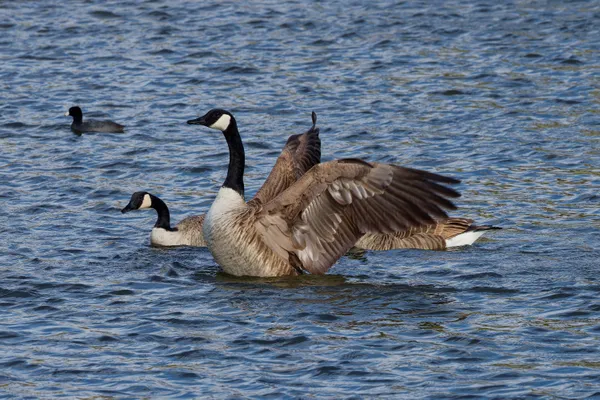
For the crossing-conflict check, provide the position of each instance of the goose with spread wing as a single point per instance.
(315, 221)
(299, 154)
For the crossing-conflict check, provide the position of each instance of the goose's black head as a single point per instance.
(75, 112)
(139, 200)
(216, 119)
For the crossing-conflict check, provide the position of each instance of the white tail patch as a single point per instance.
(147, 203)
(222, 123)
(464, 239)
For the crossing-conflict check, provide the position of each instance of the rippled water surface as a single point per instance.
(503, 95)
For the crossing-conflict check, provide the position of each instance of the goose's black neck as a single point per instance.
(164, 218)
(237, 158)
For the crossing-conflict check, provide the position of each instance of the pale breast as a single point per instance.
(227, 239)
(232, 239)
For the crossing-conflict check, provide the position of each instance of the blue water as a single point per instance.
(503, 95)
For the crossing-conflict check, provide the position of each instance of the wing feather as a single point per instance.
(329, 208)
(299, 154)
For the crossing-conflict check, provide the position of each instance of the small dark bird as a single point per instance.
(79, 127)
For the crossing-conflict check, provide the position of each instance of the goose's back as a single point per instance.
(191, 230)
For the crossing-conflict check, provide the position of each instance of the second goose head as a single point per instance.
(224, 121)
(144, 200)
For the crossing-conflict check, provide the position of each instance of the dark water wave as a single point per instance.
(501, 95)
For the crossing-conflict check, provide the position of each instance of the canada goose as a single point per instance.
(79, 127)
(187, 233)
(445, 233)
(299, 154)
(315, 221)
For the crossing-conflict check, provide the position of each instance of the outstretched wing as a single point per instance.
(299, 154)
(322, 215)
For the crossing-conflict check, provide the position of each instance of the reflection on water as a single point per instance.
(284, 281)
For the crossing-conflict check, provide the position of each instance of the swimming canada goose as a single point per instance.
(299, 154)
(445, 233)
(187, 233)
(79, 127)
(315, 221)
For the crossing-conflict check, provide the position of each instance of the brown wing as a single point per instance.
(427, 237)
(299, 154)
(322, 215)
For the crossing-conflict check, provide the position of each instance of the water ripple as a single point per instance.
(503, 96)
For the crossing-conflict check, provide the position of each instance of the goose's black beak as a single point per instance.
(127, 208)
(197, 121)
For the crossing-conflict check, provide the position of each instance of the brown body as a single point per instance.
(427, 237)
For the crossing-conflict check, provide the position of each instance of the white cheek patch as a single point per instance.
(222, 123)
(67, 114)
(147, 203)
